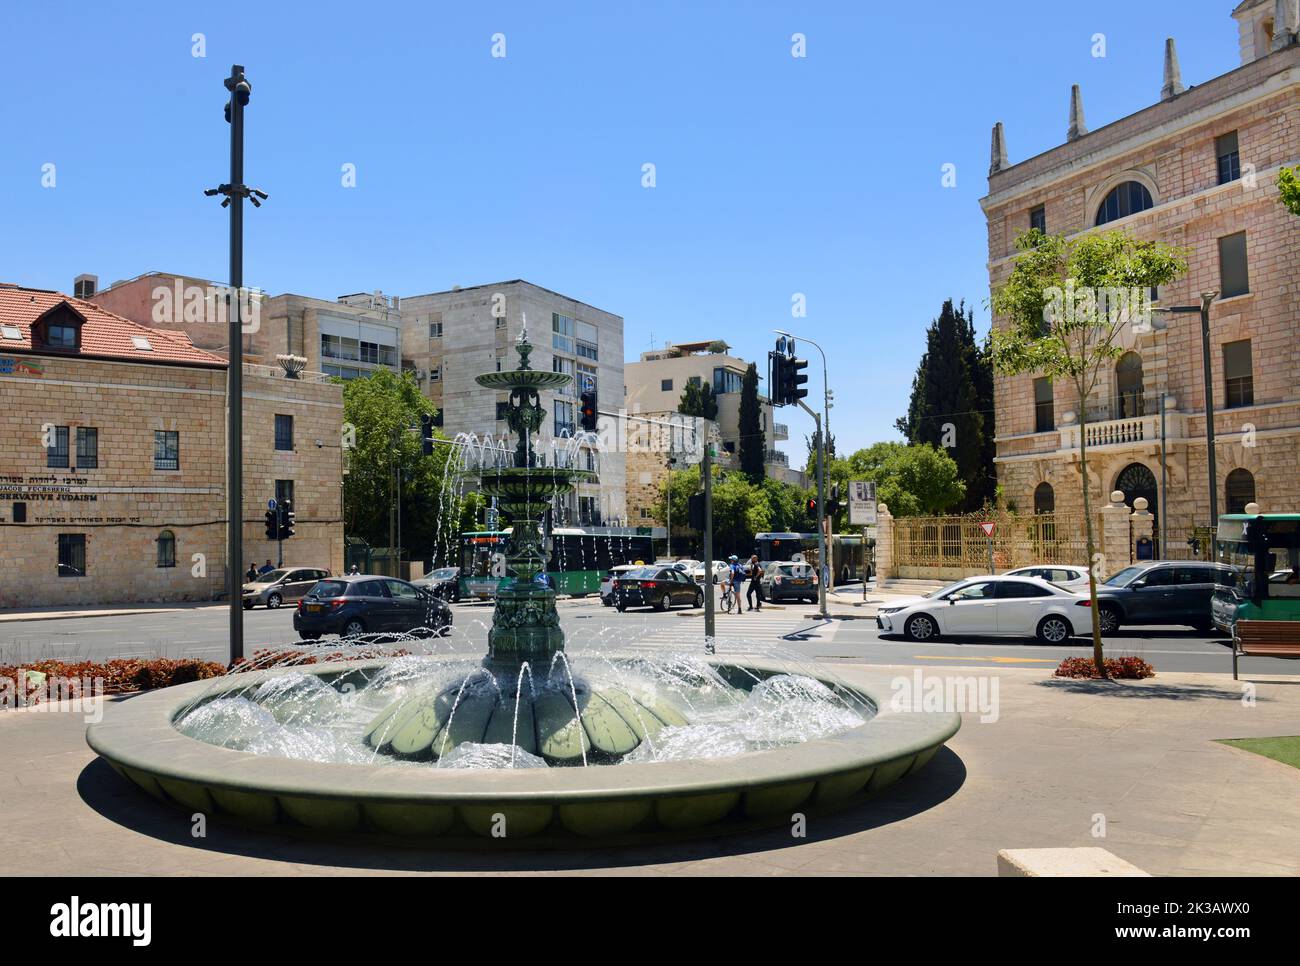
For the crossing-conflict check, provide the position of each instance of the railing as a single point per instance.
(776, 456)
(954, 546)
(780, 431)
(1123, 432)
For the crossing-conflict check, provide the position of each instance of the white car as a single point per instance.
(1069, 576)
(607, 584)
(720, 567)
(993, 606)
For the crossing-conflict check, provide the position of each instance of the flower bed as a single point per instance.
(1131, 668)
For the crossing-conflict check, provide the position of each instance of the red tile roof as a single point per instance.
(103, 334)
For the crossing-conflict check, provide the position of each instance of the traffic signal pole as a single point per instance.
(821, 510)
(706, 467)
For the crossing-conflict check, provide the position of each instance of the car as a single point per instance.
(992, 606)
(1226, 600)
(1164, 592)
(444, 582)
(675, 564)
(274, 587)
(720, 569)
(1069, 576)
(657, 587)
(788, 581)
(607, 585)
(369, 604)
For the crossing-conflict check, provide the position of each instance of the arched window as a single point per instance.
(166, 549)
(1128, 385)
(1240, 490)
(1126, 199)
(1044, 498)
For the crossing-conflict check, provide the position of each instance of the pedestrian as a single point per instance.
(755, 584)
(251, 576)
(737, 581)
(266, 568)
(354, 571)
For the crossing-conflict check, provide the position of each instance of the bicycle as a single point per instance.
(728, 598)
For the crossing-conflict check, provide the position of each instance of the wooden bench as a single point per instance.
(1265, 639)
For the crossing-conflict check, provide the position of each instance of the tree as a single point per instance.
(949, 407)
(753, 441)
(699, 399)
(1067, 302)
(1288, 185)
(915, 480)
(740, 508)
(381, 408)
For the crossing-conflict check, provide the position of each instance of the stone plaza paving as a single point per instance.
(1138, 761)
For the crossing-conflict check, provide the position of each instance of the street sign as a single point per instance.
(862, 503)
(988, 529)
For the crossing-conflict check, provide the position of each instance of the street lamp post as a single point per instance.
(822, 422)
(672, 461)
(1203, 310)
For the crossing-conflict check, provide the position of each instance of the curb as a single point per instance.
(78, 615)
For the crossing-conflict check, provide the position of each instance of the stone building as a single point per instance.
(656, 383)
(1198, 169)
(112, 459)
(450, 337)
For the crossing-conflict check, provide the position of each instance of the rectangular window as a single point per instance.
(166, 450)
(1038, 219)
(586, 378)
(588, 351)
(1234, 279)
(61, 336)
(1044, 415)
(56, 454)
(72, 555)
(503, 408)
(283, 432)
(1238, 374)
(560, 364)
(87, 448)
(166, 543)
(562, 328)
(283, 492)
(665, 385)
(564, 418)
(725, 380)
(435, 328)
(20, 512)
(435, 374)
(1228, 159)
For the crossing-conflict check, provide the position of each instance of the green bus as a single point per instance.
(580, 557)
(1265, 550)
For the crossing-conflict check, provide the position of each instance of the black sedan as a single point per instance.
(367, 604)
(657, 587)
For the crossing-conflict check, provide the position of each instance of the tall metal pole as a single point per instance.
(706, 467)
(1206, 299)
(239, 91)
(1163, 508)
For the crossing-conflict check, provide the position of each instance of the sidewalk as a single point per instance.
(1133, 767)
(103, 610)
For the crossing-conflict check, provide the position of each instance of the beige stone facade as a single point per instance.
(136, 517)
(1202, 198)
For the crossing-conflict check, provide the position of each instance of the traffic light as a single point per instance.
(272, 524)
(426, 434)
(812, 506)
(696, 511)
(776, 376)
(286, 520)
(833, 505)
(588, 408)
(792, 388)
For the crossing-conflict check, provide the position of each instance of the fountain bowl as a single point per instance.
(624, 804)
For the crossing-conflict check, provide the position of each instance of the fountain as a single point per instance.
(528, 744)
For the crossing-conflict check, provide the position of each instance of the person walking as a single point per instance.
(251, 576)
(737, 582)
(755, 584)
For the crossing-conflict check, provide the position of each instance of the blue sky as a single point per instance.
(775, 175)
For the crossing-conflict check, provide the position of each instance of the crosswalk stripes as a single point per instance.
(776, 628)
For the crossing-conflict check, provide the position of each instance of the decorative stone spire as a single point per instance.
(1078, 126)
(1173, 73)
(998, 153)
(1285, 15)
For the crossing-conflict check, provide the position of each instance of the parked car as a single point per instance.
(657, 587)
(275, 587)
(788, 581)
(1068, 576)
(675, 564)
(994, 606)
(1167, 592)
(368, 604)
(607, 585)
(443, 582)
(720, 568)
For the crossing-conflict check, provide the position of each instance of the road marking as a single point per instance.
(996, 659)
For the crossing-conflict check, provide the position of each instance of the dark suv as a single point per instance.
(1169, 592)
(368, 604)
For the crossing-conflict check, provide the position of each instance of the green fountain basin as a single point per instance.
(505, 809)
(523, 379)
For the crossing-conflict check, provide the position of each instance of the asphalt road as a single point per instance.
(201, 632)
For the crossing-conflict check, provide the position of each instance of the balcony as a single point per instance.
(1124, 432)
(777, 457)
(780, 431)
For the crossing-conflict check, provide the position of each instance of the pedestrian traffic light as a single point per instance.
(286, 529)
(426, 434)
(272, 524)
(812, 506)
(696, 511)
(588, 409)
